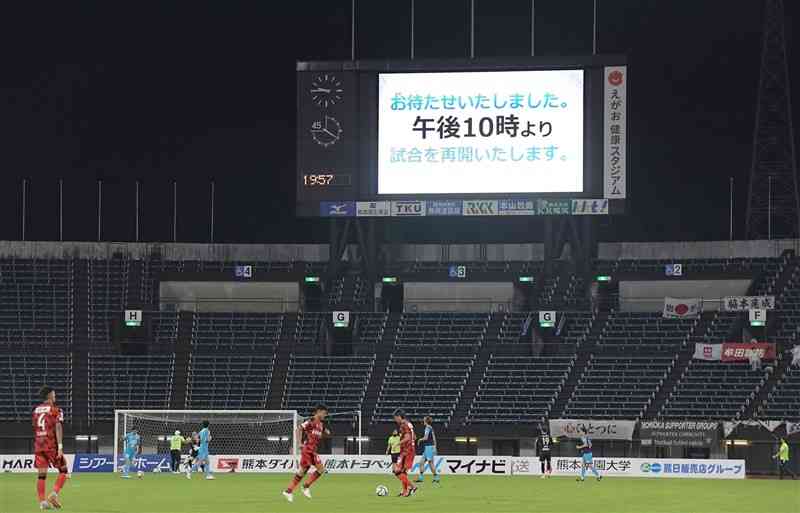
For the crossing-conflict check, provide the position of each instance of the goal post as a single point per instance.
(232, 431)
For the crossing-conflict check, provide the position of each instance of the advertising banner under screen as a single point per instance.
(481, 132)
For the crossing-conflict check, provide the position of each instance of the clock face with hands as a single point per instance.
(326, 132)
(326, 90)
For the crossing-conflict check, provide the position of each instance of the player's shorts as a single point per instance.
(130, 456)
(202, 454)
(429, 452)
(545, 456)
(309, 459)
(395, 457)
(587, 457)
(406, 461)
(45, 459)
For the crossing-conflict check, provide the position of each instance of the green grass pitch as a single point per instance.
(250, 493)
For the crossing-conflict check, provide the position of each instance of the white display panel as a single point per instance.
(481, 132)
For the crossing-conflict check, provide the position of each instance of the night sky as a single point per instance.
(195, 91)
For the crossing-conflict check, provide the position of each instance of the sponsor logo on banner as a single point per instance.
(711, 352)
(683, 433)
(445, 208)
(480, 207)
(742, 351)
(590, 207)
(229, 464)
(516, 207)
(744, 303)
(615, 103)
(598, 429)
(557, 207)
(23, 463)
(372, 208)
(337, 208)
(676, 308)
(408, 208)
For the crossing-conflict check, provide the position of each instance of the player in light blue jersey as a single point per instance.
(133, 448)
(428, 443)
(202, 453)
(585, 448)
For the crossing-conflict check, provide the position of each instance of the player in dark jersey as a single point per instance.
(407, 452)
(48, 434)
(544, 446)
(313, 429)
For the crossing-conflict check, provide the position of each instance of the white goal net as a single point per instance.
(232, 431)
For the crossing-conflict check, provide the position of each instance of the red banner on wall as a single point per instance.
(741, 351)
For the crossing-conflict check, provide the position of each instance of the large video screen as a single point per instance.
(481, 132)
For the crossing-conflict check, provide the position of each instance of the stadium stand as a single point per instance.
(36, 304)
(634, 331)
(229, 382)
(128, 382)
(441, 378)
(431, 331)
(783, 402)
(340, 382)
(308, 328)
(24, 374)
(518, 389)
(371, 327)
(618, 387)
(108, 282)
(713, 390)
(236, 331)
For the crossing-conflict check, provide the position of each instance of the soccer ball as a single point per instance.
(381, 491)
(140, 474)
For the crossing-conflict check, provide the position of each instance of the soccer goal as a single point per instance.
(232, 431)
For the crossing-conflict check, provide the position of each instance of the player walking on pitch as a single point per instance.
(428, 443)
(585, 447)
(48, 434)
(202, 453)
(133, 447)
(407, 453)
(313, 429)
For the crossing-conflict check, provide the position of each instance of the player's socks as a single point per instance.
(595, 472)
(405, 481)
(437, 478)
(40, 484)
(310, 479)
(62, 478)
(295, 481)
(583, 473)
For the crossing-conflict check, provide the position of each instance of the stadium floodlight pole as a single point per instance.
(471, 29)
(594, 27)
(61, 209)
(533, 26)
(136, 208)
(412, 30)
(99, 208)
(360, 437)
(24, 205)
(353, 30)
(731, 212)
(174, 211)
(213, 193)
(769, 208)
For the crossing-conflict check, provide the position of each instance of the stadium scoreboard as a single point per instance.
(479, 137)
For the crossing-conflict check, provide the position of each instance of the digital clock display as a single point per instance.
(325, 180)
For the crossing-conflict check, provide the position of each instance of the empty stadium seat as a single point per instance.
(784, 400)
(128, 382)
(618, 386)
(228, 382)
(441, 330)
(645, 330)
(442, 378)
(236, 331)
(339, 382)
(23, 375)
(518, 389)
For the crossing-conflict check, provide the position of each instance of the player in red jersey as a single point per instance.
(313, 429)
(48, 437)
(407, 453)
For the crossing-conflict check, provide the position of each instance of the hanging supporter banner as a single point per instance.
(598, 429)
(711, 352)
(742, 351)
(684, 433)
(792, 428)
(677, 308)
(744, 303)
